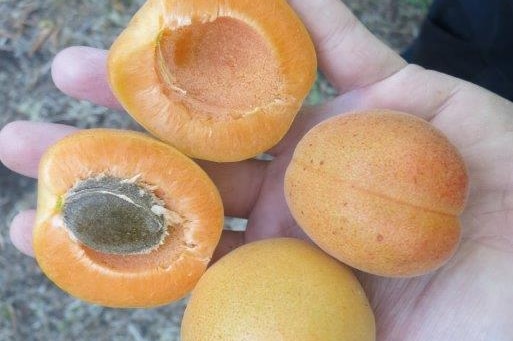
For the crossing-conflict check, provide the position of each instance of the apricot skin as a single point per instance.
(379, 190)
(278, 289)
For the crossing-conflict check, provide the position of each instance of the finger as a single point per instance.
(81, 72)
(238, 183)
(230, 240)
(466, 113)
(427, 92)
(22, 237)
(349, 55)
(21, 232)
(22, 226)
(22, 143)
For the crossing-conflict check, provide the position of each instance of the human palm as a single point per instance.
(470, 298)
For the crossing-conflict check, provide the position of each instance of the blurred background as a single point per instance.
(31, 33)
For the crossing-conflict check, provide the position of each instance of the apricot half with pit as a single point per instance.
(219, 80)
(124, 220)
(278, 289)
(379, 190)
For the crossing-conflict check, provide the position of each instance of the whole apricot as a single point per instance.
(381, 191)
(219, 80)
(278, 289)
(124, 220)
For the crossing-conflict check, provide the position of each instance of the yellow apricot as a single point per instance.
(381, 191)
(278, 289)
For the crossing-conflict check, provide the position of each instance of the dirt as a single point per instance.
(31, 33)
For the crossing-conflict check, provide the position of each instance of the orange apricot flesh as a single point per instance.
(125, 277)
(219, 80)
(278, 289)
(381, 191)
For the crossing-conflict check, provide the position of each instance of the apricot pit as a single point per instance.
(113, 215)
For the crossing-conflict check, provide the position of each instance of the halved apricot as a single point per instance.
(219, 80)
(124, 220)
(379, 190)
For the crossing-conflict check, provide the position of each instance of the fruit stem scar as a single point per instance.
(115, 216)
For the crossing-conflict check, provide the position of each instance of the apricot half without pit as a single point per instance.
(220, 80)
(278, 289)
(381, 191)
(124, 220)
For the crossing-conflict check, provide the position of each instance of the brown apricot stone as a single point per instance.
(114, 215)
(381, 191)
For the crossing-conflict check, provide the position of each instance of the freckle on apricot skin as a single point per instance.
(393, 192)
(124, 220)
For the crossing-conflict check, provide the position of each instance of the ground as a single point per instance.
(31, 33)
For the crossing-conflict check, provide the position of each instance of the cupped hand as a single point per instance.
(471, 298)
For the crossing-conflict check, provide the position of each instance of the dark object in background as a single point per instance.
(469, 39)
(4, 171)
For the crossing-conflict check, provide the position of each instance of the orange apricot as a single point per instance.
(124, 220)
(381, 191)
(278, 289)
(219, 80)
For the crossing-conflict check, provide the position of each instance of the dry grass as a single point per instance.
(32, 32)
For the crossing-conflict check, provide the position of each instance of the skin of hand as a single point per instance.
(471, 298)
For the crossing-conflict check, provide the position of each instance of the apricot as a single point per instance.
(219, 80)
(124, 220)
(278, 289)
(379, 190)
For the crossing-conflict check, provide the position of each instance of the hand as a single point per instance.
(471, 298)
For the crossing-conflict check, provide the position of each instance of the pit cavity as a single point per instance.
(114, 216)
(223, 64)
